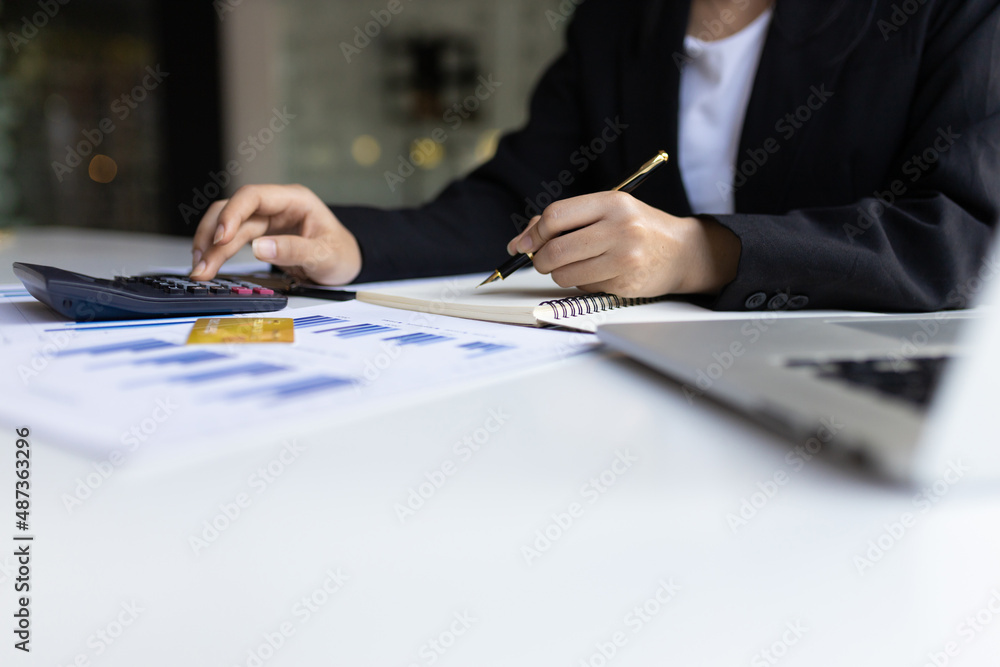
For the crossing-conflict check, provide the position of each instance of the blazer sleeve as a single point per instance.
(921, 244)
(467, 227)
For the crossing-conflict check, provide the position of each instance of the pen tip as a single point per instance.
(492, 278)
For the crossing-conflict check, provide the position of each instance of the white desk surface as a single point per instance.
(116, 582)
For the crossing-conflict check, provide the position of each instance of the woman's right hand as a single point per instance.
(288, 225)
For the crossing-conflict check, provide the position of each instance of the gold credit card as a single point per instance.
(242, 330)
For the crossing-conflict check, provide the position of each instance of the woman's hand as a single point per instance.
(617, 244)
(289, 226)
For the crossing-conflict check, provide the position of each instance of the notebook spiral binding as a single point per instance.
(589, 304)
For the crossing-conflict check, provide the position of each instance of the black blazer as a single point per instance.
(869, 167)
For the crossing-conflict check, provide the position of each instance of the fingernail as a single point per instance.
(195, 257)
(265, 248)
(525, 244)
(510, 247)
(219, 233)
(199, 269)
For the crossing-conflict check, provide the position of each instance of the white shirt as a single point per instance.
(714, 93)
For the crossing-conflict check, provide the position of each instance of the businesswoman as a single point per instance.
(824, 154)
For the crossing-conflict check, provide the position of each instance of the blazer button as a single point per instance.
(798, 302)
(778, 301)
(756, 300)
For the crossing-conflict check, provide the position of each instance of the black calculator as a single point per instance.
(85, 299)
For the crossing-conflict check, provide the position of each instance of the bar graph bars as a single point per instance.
(358, 330)
(144, 345)
(346, 357)
(479, 349)
(227, 375)
(315, 321)
(252, 369)
(418, 339)
(295, 388)
(185, 358)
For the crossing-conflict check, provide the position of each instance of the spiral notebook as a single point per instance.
(530, 298)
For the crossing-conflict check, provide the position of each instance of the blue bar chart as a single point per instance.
(418, 339)
(143, 345)
(479, 348)
(312, 321)
(357, 330)
(253, 369)
(345, 355)
(308, 385)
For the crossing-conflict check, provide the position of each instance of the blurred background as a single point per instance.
(136, 114)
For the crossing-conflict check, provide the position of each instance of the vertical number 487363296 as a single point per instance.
(22, 487)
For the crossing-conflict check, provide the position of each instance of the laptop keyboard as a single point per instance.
(912, 379)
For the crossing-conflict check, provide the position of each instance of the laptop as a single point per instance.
(907, 396)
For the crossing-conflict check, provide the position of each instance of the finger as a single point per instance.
(202, 239)
(512, 245)
(259, 200)
(290, 250)
(596, 270)
(321, 259)
(577, 246)
(617, 286)
(217, 255)
(573, 213)
(625, 283)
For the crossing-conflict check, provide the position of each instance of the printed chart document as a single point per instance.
(107, 386)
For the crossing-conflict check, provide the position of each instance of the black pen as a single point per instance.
(628, 185)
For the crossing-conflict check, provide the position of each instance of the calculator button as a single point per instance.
(173, 290)
(197, 289)
(263, 291)
(219, 289)
(241, 290)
